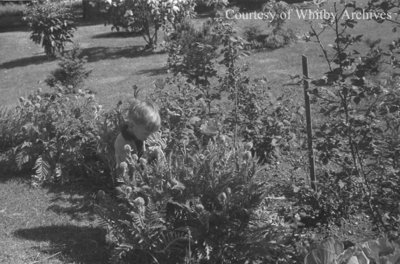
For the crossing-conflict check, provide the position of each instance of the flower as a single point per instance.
(139, 202)
(128, 149)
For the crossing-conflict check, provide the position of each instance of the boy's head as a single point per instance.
(143, 119)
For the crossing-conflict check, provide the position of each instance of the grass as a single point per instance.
(117, 62)
(48, 225)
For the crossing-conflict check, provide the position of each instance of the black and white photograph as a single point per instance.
(199, 132)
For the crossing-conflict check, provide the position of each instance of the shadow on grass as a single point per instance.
(75, 199)
(154, 72)
(116, 34)
(70, 243)
(93, 54)
(34, 60)
(7, 172)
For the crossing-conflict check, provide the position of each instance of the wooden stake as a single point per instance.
(309, 124)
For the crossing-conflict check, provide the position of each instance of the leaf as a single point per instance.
(341, 184)
(21, 159)
(209, 128)
(353, 260)
(42, 169)
(326, 253)
(374, 248)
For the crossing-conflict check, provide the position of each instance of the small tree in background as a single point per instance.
(148, 16)
(51, 25)
(71, 72)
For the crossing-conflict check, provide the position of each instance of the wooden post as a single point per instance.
(309, 126)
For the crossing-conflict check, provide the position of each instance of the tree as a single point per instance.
(147, 17)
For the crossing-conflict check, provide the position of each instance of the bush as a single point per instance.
(192, 52)
(12, 10)
(279, 38)
(51, 25)
(59, 134)
(71, 72)
(199, 208)
(148, 17)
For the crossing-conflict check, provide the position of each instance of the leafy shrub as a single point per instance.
(148, 17)
(280, 35)
(279, 38)
(199, 208)
(71, 72)
(9, 128)
(191, 52)
(51, 25)
(357, 135)
(12, 10)
(254, 36)
(59, 134)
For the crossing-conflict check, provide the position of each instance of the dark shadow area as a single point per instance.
(82, 22)
(8, 170)
(93, 54)
(75, 199)
(7, 175)
(13, 22)
(116, 34)
(70, 243)
(34, 60)
(154, 72)
(106, 53)
(14, 28)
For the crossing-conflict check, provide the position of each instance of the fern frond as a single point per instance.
(152, 215)
(155, 139)
(174, 240)
(21, 159)
(42, 169)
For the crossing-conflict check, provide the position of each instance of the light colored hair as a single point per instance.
(144, 113)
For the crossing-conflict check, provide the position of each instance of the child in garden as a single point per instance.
(143, 120)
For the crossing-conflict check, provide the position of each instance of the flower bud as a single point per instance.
(143, 161)
(199, 208)
(139, 201)
(123, 165)
(222, 198)
(135, 157)
(247, 155)
(248, 145)
(127, 149)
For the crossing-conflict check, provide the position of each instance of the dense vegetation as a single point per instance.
(211, 197)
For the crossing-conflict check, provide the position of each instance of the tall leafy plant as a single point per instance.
(358, 114)
(149, 16)
(51, 25)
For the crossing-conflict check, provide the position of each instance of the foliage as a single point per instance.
(9, 125)
(71, 72)
(192, 52)
(202, 206)
(375, 251)
(254, 35)
(149, 16)
(250, 112)
(58, 133)
(51, 25)
(358, 133)
(12, 10)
